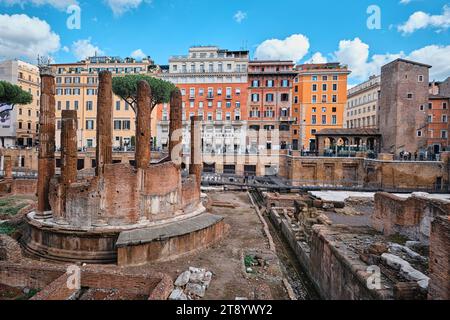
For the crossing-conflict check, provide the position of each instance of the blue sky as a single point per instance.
(333, 30)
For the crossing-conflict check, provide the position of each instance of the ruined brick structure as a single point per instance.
(47, 140)
(440, 259)
(411, 217)
(131, 205)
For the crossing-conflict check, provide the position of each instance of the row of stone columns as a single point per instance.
(69, 149)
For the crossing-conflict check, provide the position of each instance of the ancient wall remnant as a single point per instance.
(47, 139)
(410, 217)
(176, 126)
(104, 121)
(439, 260)
(196, 163)
(143, 129)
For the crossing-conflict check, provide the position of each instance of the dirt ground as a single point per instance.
(224, 259)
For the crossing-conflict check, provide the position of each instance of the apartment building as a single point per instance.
(213, 84)
(438, 123)
(319, 100)
(19, 127)
(404, 97)
(362, 107)
(76, 89)
(270, 103)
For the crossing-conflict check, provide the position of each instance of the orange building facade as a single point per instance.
(437, 123)
(270, 102)
(319, 99)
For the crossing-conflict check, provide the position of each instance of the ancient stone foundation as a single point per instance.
(87, 214)
(410, 217)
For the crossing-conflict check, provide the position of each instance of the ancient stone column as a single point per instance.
(176, 126)
(143, 125)
(8, 167)
(196, 163)
(46, 161)
(104, 121)
(69, 150)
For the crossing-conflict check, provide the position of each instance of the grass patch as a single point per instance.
(6, 228)
(398, 238)
(11, 206)
(249, 261)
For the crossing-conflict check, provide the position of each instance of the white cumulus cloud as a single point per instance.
(240, 16)
(119, 7)
(356, 54)
(83, 49)
(58, 4)
(317, 58)
(294, 48)
(27, 37)
(405, 1)
(138, 54)
(422, 20)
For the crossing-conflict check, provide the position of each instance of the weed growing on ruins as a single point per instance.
(249, 261)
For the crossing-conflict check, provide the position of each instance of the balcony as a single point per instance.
(288, 119)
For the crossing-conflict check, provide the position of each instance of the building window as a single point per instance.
(255, 83)
(334, 86)
(314, 99)
(89, 124)
(421, 108)
(324, 119)
(117, 125)
(409, 96)
(313, 119)
(89, 105)
(420, 78)
(117, 105)
(430, 118)
(444, 118)
(324, 87)
(444, 105)
(444, 134)
(333, 119)
(285, 97)
(59, 106)
(285, 83)
(419, 133)
(89, 143)
(255, 97)
(126, 125)
(314, 87)
(269, 97)
(334, 98)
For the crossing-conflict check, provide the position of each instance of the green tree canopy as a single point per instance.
(126, 88)
(13, 94)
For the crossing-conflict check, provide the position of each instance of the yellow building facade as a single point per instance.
(76, 89)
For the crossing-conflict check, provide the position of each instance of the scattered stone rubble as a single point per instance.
(191, 284)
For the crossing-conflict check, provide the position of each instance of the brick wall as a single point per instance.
(439, 288)
(409, 217)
